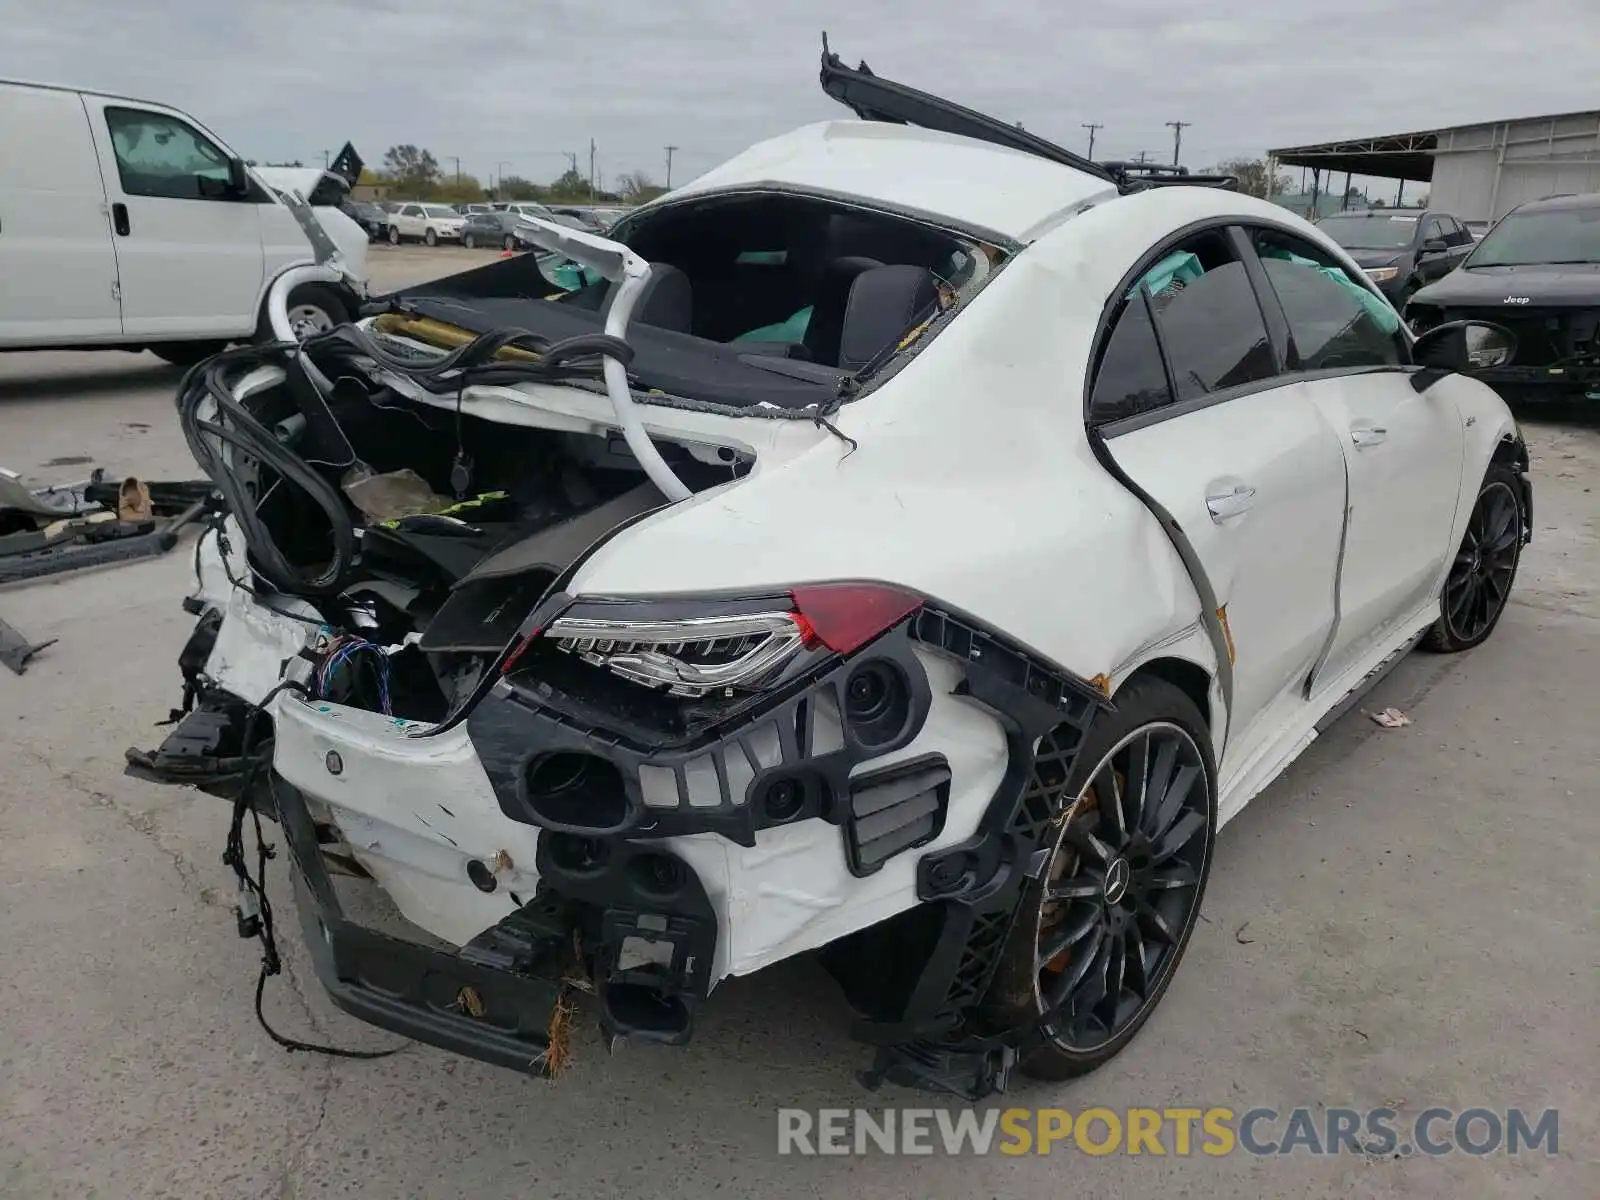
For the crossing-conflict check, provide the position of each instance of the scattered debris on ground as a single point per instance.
(95, 522)
(1390, 718)
(16, 650)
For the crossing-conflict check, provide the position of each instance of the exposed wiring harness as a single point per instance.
(254, 908)
(230, 429)
(351, 651)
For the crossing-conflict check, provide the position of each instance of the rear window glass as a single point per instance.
(1131, 379)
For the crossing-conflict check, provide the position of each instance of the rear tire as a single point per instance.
(509, 244)
(1485, 567)
(468, 241)
(186, 354)
(1099, 935)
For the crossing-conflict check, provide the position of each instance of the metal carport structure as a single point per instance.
(1405, 157)
(1476, 172)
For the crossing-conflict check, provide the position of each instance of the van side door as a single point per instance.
(188, 245)
(58, 268)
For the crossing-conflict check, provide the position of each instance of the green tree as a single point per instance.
(570, 186)
(515, 187)
(466, 190)
(1253, 176)
(411, 168)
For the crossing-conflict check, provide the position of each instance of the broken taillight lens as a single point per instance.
(712, 652)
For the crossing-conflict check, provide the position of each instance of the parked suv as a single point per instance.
(1400, 249)
(430, 223)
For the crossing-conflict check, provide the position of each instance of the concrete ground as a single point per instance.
(1409, 917)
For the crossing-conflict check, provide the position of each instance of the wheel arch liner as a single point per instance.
(969, 892)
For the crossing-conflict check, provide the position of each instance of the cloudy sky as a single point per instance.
(523, 83)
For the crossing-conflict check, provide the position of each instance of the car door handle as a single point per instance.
(1368, 435)
(1222, 505)
(119, 219)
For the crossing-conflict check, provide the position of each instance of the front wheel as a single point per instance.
(313, 308)
(510, 243)
(468, 241)
(1485, 565)
(1100, 933)
(430, 238)
(394, 236)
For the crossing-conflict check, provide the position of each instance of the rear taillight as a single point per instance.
(713, 646)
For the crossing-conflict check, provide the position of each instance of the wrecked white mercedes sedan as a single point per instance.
(913, 544)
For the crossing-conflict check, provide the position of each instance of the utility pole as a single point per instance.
(1143, 155)
(1177, 128)
(1091, 126)
(591, 168)
(670, 149)
(500, 186)
(327, 157)
(457, 159)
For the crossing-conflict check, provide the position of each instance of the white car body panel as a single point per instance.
(981, 186)
(54, 222)
(971, 467)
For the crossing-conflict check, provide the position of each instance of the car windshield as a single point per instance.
(1370, 232)
(1570, 235)
(439, 210)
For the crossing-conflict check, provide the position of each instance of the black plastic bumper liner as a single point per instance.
(443, 999)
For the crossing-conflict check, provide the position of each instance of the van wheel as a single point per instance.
(430, 237)
(186, 354)
(313, 308)
(394, 236)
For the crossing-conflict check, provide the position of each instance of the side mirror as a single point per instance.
(238, 177)
(1435, 246)
(1465, 346)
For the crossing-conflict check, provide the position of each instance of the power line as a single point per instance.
(1091, 126)
(1177, 128)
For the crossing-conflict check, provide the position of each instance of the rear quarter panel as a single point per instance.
(972, 481)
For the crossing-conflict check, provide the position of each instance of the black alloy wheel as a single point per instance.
(1479, 583)
(1121, 889)
(1099, 935)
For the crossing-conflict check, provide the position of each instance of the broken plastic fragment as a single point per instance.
(1390, 718)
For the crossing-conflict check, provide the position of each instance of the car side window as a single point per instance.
(161, 155)
(1194, 305)
(411, 210)
(1131, 378)
(1431, 228)
(1212, 330)
(1334, 320)
(1458, 233)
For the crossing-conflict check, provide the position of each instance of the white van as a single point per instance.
(128, 225)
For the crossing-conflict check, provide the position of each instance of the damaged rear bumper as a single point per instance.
(431, 996)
